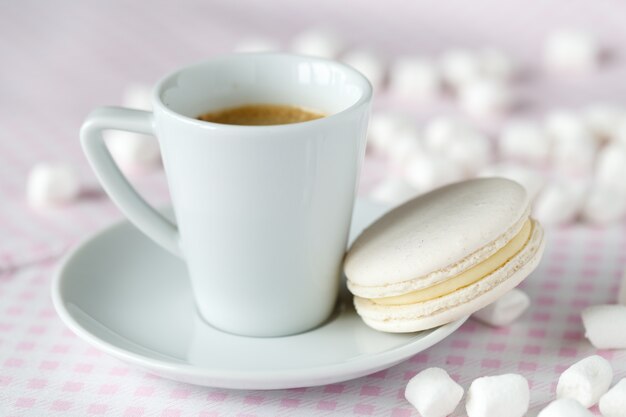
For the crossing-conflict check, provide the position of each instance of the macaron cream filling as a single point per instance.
(467, 277)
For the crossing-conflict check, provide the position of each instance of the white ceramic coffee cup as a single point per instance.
(262, 212)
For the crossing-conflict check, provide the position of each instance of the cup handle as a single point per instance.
(138, 211)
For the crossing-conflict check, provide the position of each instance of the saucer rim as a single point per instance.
(252, 379)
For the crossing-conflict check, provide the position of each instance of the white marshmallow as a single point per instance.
(460, 66)
(426, 172)
(621, 294)
(603, 120)
(505, 310)
(610, 169)
(441, 132)
(471, 153)
(52, 184)
(574, 156)
(367, 63)
(433, 393)
(133, 152)
(385, 128)
(570, 51)
(564, 124)
(496, 64)
(559, 203)
(458, 142)
(403, 147)
(257, 44)
(605, 204)
(414, 77)
(586, 380)
(393, 191)
(565, 407)
(530, 179)
(613, 403)
(317, 42)
(485, 98)
(524, 141)
(604, 326)
(497, 396)
(137, 96)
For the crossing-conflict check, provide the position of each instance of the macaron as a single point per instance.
(443, 255)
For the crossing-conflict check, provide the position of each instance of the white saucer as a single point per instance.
(127, 297)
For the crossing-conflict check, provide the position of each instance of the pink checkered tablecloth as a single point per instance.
(60, 59)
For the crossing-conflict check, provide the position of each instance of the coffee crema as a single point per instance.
(260, 115)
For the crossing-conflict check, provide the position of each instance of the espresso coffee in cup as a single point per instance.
(260, 115)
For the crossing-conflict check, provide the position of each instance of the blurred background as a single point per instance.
(533, 91)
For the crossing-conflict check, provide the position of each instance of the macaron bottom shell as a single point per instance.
(462, 302)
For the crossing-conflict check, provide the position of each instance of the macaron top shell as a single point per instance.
(436, 236)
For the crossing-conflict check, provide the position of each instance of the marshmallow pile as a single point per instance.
(479, 80)
(446, 150)
(434, 394)
(572, 163)
(582, 156)
(584, 384)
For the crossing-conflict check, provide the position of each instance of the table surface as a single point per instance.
(60, 59)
